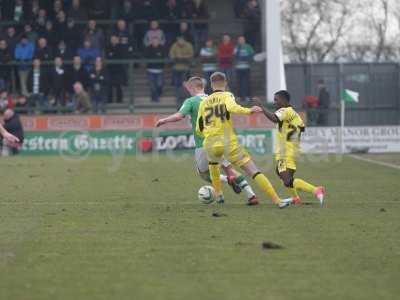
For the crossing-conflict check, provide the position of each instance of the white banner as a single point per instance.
(379, 139)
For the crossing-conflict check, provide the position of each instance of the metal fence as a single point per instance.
(377, 83)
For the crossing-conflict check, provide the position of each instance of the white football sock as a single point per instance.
(249, 191)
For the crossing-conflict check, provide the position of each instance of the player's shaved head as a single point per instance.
(218, 81)
(197, 83)
(284, 95)
(281, 99)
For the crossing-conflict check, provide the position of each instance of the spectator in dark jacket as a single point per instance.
(5, 69)
(77, 11)
(238, 6)
(187, 9)
(126, 41)
(73, 36)
(50, 34)
(7, 9)
(146, 9)
(155, 71)
(40, 22)
(55, 9)
(38, 85)
(194, 9)
(11, 38)
(126, 12)
(197, 10)
(172, 11)
(43, 51)
(32, 10)
(77, 74)
(60, 26)
(186, 32)
(95, 35)
(88, 55)
(63, 51)
(99, 9)
(116, 71)
(58, 79)
(99, 86)
(13, 125)
(252, 14)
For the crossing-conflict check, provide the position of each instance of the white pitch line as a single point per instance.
(376, 162)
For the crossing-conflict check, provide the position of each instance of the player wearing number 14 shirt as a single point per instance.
(214, 123)
(290, 126)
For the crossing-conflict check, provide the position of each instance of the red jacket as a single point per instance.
(225, 55)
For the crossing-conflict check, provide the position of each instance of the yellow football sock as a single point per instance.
(215, 174)
(267, 187)
(293, 192)
(300, 184)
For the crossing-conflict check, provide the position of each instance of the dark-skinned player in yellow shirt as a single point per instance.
(290, 126)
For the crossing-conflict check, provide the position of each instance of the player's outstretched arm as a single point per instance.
(235, 108)
(176, 117)
(270, 116)
(8, 136)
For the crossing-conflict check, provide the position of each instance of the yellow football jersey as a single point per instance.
(214, 117)
(289, 129)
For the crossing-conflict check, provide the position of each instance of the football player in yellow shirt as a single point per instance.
(290, 126)
(214, 123)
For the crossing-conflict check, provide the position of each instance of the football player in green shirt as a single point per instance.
(190, 107)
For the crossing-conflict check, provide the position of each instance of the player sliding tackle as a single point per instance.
(190, 107)
(215, 124)
(289, 129)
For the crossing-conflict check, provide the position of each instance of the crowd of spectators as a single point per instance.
(60, 49)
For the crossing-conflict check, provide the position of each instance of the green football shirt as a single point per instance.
(191, 108)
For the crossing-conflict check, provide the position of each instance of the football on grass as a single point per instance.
(206, 194)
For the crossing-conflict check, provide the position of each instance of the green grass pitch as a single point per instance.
(93, 230)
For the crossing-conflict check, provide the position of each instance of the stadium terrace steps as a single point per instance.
(222, 13)
(141, 88)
